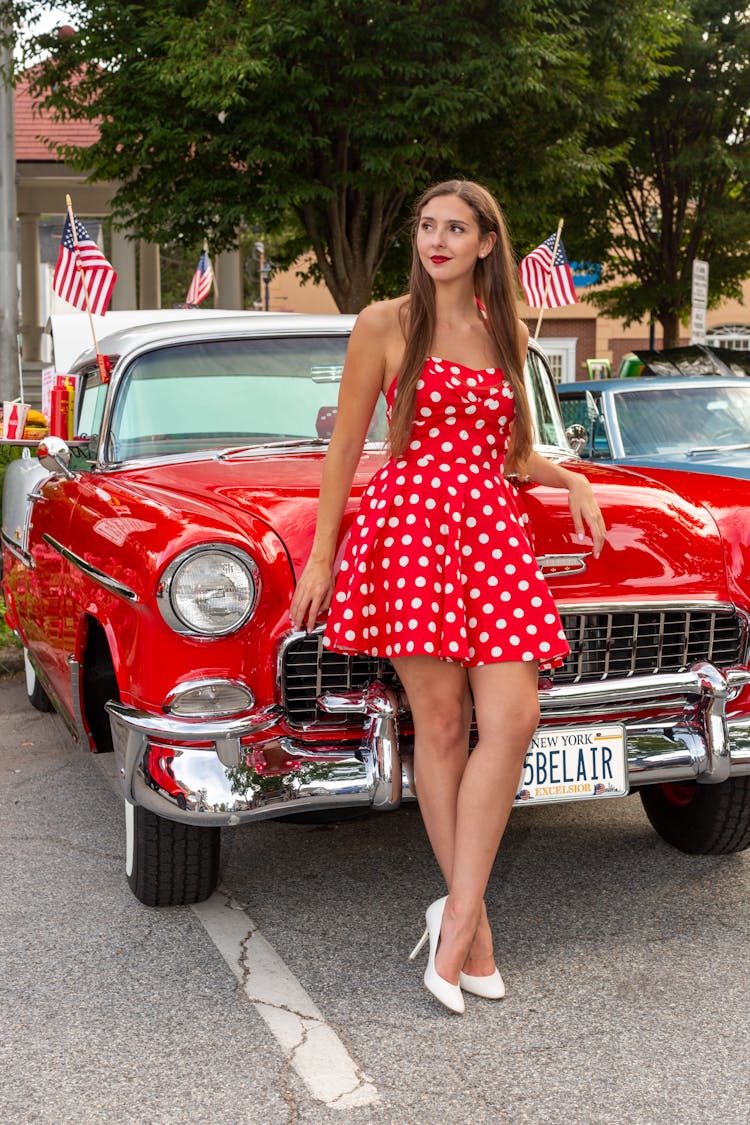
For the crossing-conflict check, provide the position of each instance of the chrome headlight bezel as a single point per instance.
(165, 584)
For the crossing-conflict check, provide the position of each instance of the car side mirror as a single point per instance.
(577, 436)
(54, 454)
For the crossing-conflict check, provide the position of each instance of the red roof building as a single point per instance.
(35, 128)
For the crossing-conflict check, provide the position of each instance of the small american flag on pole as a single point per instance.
(202, 281)
(547, 284)
(82, 270)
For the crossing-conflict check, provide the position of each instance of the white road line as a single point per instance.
(312, 1047)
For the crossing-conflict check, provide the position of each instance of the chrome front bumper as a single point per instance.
(225, 772)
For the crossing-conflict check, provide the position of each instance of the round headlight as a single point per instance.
(211, 590)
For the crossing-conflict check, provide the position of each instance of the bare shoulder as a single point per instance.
(380, 330)
(383, 317)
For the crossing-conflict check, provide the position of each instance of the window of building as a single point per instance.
(561, 356)
(735, 336)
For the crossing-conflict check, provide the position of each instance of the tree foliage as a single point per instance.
(683, 189)
(324, 118)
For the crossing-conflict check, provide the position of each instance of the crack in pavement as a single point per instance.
(310, 1045)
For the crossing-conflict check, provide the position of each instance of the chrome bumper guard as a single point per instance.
(229, 771)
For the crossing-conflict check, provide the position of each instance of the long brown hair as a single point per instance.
(495, 284)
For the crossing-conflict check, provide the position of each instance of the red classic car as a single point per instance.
(149, 566)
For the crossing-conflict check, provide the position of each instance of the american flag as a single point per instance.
(203, 279)
(537, 266)
(86, 266)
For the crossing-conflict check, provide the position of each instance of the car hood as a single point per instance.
(659, 544)
(727, 498)
(279, 489)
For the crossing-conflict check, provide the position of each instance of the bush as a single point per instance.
(7, 638)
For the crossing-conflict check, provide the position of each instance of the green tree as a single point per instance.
(324, 118)
(683, 190)
(548, 146)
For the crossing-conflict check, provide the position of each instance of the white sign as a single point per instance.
(573, 763)
(699, 301)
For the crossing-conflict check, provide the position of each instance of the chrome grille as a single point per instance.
(612, 645)
(603, 646)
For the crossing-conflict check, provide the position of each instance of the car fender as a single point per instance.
(130, 540)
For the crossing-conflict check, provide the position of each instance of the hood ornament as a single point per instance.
(562, 565)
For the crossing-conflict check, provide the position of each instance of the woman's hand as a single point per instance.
(585, 510)
(581, 500)
(313, 595)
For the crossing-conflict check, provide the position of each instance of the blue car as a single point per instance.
(699, 424)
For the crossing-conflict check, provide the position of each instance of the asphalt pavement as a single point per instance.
(626, 965)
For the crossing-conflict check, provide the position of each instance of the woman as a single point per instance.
(438, 574)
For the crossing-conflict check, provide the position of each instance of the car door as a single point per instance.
(52, 504)
(52, 616)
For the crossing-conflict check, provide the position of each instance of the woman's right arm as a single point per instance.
(361, 383)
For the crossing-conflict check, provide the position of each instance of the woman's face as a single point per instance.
(448, 238)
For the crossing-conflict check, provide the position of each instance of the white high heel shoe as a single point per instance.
(491, 987)
(447, 993)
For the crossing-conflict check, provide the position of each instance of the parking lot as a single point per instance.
(289, 998)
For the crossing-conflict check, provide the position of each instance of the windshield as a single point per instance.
(218, 393)
(545, 411)
(215, 394)
(683, 419)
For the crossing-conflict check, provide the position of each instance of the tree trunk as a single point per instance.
(670, 326)
(359, 292)
(349, 282)
(350, 290)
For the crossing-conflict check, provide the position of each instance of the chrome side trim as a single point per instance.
(54, 699)
(18, 552)
(76, 695)
(90, 571)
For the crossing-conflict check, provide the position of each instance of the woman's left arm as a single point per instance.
(583, 506)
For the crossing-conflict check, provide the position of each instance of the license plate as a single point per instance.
(574, 764)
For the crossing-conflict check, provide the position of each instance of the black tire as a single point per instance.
(36, 694)
(174, 864)
(701, 819)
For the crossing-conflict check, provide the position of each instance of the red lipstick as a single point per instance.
(438, 259)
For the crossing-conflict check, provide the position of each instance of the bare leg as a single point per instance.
(507, 712)
(440, 704)
(441, 707)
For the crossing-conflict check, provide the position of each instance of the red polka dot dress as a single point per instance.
(437, 561)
